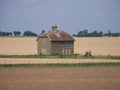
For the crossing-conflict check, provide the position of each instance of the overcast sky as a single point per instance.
(70, 15)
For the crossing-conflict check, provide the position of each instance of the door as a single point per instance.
(67, 51)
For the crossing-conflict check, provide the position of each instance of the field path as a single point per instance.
(44, 61)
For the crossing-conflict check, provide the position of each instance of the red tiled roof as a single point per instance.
(57, 36)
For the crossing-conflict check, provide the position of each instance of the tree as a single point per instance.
(109, 33)
(16, 33)
(82, 33)
(85, 32)
(5, 33)
(100, 34)
(93, 34)
(8, 34)
(29, 33)
(42, 31)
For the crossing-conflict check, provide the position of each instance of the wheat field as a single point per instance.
(28, 45)
(18, 45)
(98, 45)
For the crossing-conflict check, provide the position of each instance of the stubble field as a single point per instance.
(28, 45)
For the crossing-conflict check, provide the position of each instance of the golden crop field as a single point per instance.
(28, 45)
(98, 45)
(18, 45)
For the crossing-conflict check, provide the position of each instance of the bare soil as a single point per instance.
(99, 78)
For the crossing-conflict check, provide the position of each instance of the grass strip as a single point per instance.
(77, 65)
(75, 56)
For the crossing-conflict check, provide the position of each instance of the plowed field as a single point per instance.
(100, 78)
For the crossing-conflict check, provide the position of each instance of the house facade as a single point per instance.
(55, 42)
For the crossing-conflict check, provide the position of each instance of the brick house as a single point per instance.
(55, 42)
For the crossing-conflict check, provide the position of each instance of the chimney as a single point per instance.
(54, 27)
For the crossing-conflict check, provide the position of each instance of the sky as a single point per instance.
(69, 15)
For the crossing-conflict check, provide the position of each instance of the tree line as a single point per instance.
(18, 33)
(85, 33)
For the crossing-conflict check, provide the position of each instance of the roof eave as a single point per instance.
(62, 40)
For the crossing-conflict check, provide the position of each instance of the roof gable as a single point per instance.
(57, 35)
